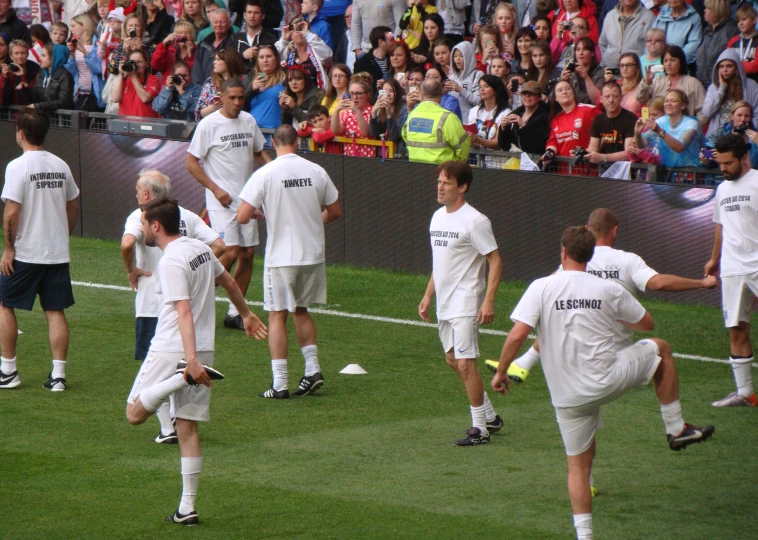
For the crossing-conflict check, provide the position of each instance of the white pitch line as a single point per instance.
(377, 318)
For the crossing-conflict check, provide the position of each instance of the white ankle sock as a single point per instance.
(190, 480)
(583, 525)
(154, 396)
(743, 375)
(310, 353)
(489, 410)
(672, 417)
(59, 369)
(528, 360)
(8, 365)
(479, 419)
(164, 417)
(279, 369)
(232, 311)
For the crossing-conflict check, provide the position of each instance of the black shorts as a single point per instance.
(144, 330)
(51, 281)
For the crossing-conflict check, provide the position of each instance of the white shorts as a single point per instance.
(291, 287)
(634, 367)
(224, 222)
(460, 334)
(191, 402)
(736, 298)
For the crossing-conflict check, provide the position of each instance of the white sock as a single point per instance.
(583, 525)
(310, 353)
(171, 409)
(8, 365)
(279, 369)
(154, 396)
(190, 479)
(743, 375)
(164, 417)
(528, 360)
(59, 369)
(232, 311)
(672, 417)
(479, 419)
(489, 410)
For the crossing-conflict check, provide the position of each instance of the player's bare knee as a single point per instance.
(245, 256)
(231, 252)
(133, 417)
(664, 349)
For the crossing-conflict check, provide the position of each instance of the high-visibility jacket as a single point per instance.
(435, 135)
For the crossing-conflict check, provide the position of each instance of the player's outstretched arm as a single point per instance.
(645, 324)
(253, 325)
(331, 212)
(11, 217)
(712, 266)
(487, 311)
(672, 283)
(516, 338)
(426, 301)
(187, 331)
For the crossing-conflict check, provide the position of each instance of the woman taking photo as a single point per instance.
(675, 135)
(528, 127)
(133, 37)
(135, 89)
(178, 45)
(541, 65)
(489, 46)
(399, 64)
(587, 76)
(389, 113)
(299, 96)
(568, 9)
(85, 65)
(525, 38)
(263, 86)
(228, 64)
(353, 116)
(299, 52)
(631, 76)
(434, 30)
(339, 80)
(675, 76)
(17, 83)
(740, 123)
(54, 88)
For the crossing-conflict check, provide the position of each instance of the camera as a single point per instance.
(567, 25)
(579, 154)
(133, 33)
(177, 80)
(128, 66)
(515, 87)
(15, 68)
(615, 71)
(73, 41)
(656, 69)
(741, 129)
(571, 67)
(546, 159)
(181, 39)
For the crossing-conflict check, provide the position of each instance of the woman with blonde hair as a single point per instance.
(193, 13)
(178, 45)
(505, 19)
(675, 135)
(133, 37)
(719, 29)
(353, 114)
(263, 86)
(17, 84)
(85, 65)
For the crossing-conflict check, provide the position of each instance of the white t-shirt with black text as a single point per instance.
(736, 209)
(187, 271)
(460, 240)
(42, 184)
(575, 315)
(227, 145)
(147, 302)
(291, 191)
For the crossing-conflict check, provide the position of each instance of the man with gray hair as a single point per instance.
(141, 262)
(221, 37)
(425, 124)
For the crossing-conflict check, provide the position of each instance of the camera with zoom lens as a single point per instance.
(177, 80)
(133, 33)
(546, 159)
(741, 129)
(128, 66)
(579, 154)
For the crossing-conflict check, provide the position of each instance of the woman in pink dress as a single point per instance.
(351, 117)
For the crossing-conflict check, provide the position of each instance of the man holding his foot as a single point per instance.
(462, 243)
(576, 314)
(180, 358)
(298, 199)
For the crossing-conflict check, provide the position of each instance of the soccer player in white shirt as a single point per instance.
(627, 269)
(141, 263)
(292, 192)
(181, 352)
(462, 243)
(575, 314)
(41, 205)
(229, 142)
(735, 256)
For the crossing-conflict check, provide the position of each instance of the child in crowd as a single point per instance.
(103, 8)
(489, 45)
(500, 69)
(59, 33)
(649, 154)
(655, 46)
(464, 77)
(746, 41)
(442, 52)
(110, 38)
(311, 10)
(318, 127)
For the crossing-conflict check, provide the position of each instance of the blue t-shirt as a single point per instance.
(687, 158)
(265, 107)
(335, 7)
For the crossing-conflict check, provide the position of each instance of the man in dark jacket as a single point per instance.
(12, 25)
(375, 62)
(214, 42)
(272, 10)
(255, 34)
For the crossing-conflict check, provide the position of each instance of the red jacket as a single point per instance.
(569, 130)
(164, 58)
(322, 138)
(751, 66)
(587, 12)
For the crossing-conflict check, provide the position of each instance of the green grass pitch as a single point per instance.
(367, 456)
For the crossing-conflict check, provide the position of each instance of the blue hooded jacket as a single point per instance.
(686, 31)
(60, 57)
(321, 28)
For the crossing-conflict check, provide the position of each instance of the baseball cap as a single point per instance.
(531, 87)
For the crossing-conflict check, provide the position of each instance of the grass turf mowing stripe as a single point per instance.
(384, 319)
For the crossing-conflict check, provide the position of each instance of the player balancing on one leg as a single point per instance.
(40, 199)
(584, 368)
(181, 353)
(298, 198)
(627, 269)
(735, 255)
(462, 243)
(141, 262)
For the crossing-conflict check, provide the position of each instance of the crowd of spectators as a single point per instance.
(619, 80)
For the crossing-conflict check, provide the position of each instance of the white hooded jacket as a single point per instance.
(468, 78)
